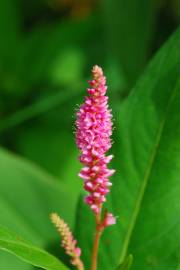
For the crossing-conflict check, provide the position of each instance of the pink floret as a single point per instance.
(109, 219)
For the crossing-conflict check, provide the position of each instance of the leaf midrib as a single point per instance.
(147, 174)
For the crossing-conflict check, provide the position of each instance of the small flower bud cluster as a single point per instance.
(68, 242)
(94, 129)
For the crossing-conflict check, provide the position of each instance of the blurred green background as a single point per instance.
(47, 49)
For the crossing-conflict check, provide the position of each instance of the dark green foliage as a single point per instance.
(47, 49)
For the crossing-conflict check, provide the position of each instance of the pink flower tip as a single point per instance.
(97, 71)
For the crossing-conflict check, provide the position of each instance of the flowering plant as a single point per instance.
(93, 138)
(147, 184)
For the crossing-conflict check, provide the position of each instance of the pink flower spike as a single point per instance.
(93, 132)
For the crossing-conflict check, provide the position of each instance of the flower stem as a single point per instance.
(96, 244)
(80, 265)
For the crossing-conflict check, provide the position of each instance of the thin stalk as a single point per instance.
(96, 243)
(80, 265)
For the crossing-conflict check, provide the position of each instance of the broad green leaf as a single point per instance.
(126, 265)
(27, 252)
(28, 195)
(11, 262)
(129, 27)
(146, 189)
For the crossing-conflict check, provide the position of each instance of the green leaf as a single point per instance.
(126, 265)
(9, 261)
(146, 191)
(28, 253)
(27, 196)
